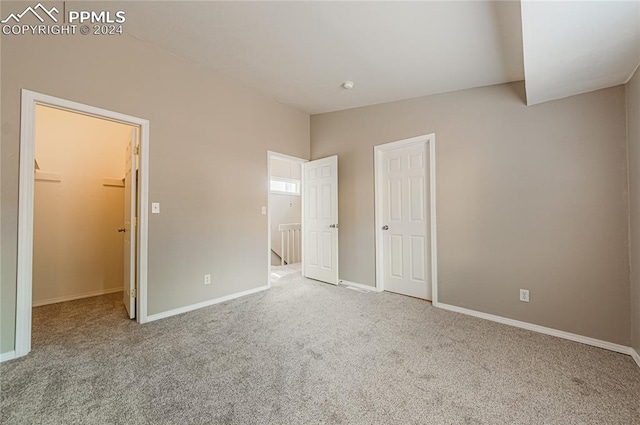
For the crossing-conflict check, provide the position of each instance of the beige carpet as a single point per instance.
(308, 352)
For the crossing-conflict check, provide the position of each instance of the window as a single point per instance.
(284, 186)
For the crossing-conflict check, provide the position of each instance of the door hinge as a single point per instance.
(137, 150)
(133, 293)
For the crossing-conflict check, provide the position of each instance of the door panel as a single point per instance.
(312, 249)
(416, 248)
(416, 198)
(130, 227)
(405, 243)
(395, 199)
(395, 256)
(325, 202)
(320, 224)
(327, 242)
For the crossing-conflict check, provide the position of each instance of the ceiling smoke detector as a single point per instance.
(347, 85)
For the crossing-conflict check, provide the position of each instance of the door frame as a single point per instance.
(430, 141)
(289, 158)
(26, 200)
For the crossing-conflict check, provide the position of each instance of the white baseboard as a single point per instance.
(76, 297)
(9, 355)
(208, 303)
(358, 285)
(635, 356)
(541, 329)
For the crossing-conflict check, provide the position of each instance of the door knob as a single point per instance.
(385, 227)
(334, 226)
(122, 230)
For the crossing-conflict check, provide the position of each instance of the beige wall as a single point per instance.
(527, 197)
(633, 134)
(208, 168)
(76, 247)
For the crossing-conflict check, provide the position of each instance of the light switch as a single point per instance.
(264, 210)
(155, 208)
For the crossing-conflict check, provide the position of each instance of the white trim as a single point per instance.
(207, 303)
(77, 297)
(635, 356)
(358, 285)
(143, 222)
(45, 176)
(25, 206)
(25, 225)
(113, 182)
(540, 329)
(283, 157)
(434, 227)
(9, 355)
(430, 140)
(302, 207)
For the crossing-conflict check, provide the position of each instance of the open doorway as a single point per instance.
(32, 167)
(284, 216)
(302, 218)
(84, 210)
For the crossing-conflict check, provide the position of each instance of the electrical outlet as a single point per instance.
(524, 295)
(207, 279)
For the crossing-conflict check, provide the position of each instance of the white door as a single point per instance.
(320, 219)
(405, 220)
(130, 226)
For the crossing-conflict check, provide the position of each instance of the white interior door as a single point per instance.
(405, 220)
(130, 226)
(320, 219)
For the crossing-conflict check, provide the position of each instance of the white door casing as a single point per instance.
(25, 207)
(320, 219)
(129, 293)
(404, 224)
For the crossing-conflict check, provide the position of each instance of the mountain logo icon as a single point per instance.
(43, 11)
